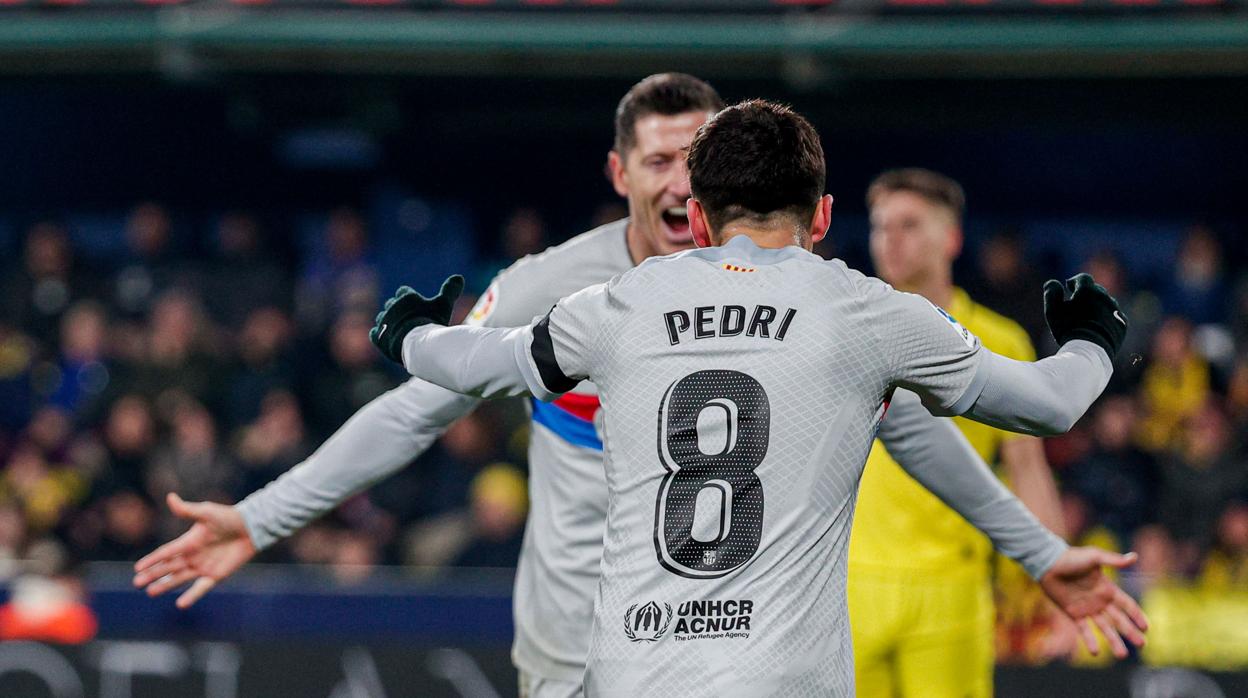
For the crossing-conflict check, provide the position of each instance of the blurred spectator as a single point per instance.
(1198, 290)
(48, 604)
(17, 354)
(1116, 482)
(262, 364)
(1157, 563)
(129, 528)
(488, 534)
(1237, 399)
(36, 291)
(608, 212)
(274, 443)
(1239, 312)
(179, 352)
(82, 370)
(12, 538)
(1009, 285)
(1174, 386)
(245, 274)
(151, 267)
(355, 376)
(129, 436)
(190, 461)
(353, 558)
(1226, 568)
(1198, 481)
(1142, 308)
(339, 276)
(44, 491)
(314, 544)
(50, 430)
(523, 233)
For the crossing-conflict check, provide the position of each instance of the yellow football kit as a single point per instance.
(920, 594)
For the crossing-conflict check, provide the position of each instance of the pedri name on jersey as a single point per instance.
(708, 321)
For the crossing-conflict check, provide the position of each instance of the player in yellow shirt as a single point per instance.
(922, 612)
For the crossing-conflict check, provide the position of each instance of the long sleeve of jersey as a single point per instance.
(496, 362)
(954, 374)
(376, 442)
(484, 362)
(1045, 397)
(936, 454)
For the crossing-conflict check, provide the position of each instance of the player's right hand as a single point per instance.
(1079, 588)
(1083, 309)
(214, 547)
(406, 310)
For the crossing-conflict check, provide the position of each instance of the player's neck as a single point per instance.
(766, 238)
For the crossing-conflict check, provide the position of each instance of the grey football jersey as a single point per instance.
(559, 562)
(558, 568)
(741, 390)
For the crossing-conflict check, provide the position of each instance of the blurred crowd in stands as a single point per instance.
(1160, 464)
(211, 371)
(211, 367)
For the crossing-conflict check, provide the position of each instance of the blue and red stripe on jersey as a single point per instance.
(571, 417)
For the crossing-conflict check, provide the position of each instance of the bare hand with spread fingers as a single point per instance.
(214, 547)
(1080, 589)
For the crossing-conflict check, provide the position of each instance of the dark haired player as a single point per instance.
(741, 386)
(559, 562)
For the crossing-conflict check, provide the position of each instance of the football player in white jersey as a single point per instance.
(768, 370)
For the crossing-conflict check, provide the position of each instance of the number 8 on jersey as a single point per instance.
(734, 406)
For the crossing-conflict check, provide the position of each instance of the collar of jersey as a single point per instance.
(743, 247)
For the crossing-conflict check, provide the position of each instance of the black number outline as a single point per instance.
(760, 419)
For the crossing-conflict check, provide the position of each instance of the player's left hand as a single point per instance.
(1080, 589)
(407, 310)
(214, 547)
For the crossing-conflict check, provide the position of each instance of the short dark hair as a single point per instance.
(668, 94)
(933, 186)
(754, 159)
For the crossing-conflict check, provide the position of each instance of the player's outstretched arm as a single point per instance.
(487, 362)
(213, 548)
(1048, 396)
(936, 454)
(931, 354)
(1079, 588)
(377, 441)
(411, 330)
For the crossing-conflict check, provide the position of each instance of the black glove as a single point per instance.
(408, 310)
(1083, 309)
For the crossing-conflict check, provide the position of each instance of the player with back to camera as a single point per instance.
(922, 616)
(741, 385)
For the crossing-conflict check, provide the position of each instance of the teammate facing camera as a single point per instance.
(725, 551)
(557, 570)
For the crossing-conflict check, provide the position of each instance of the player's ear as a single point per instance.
(697, 223)
(822, 219)
(954, 240)
(953, 244)
(619, 178)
